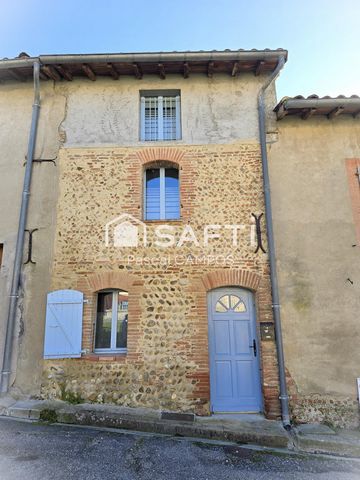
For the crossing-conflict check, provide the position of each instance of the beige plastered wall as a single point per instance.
(15, 117)
(318, 260)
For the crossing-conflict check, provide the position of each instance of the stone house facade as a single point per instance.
(152, 242)
(166, 364)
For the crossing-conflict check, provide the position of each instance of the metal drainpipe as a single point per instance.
(6, 368)
(284, 399)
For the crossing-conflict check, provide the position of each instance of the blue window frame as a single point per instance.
(162, 197)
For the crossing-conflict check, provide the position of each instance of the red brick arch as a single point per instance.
(149, 155)
(231, 277)
(101, 281)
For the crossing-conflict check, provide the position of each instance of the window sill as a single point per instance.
(105, 357)
(164, 221)
(166, 142)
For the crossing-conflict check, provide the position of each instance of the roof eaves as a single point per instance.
(315, 105)
(25, 59)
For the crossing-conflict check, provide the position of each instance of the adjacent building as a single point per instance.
(314, 167)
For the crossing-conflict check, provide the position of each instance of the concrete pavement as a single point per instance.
(242, 429)
(55, 452)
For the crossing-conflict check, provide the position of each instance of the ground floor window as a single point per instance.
(111, 321)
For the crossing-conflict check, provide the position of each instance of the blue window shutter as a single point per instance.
(149, 112)
(152, 192)
(178, 118)
(63, 326)
(142, 119)
(172, 197)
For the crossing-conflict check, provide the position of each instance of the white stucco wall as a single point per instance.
(107, 112)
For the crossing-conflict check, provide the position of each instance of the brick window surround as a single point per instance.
(149, 157)
(92, 284)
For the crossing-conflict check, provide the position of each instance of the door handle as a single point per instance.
(253, 346)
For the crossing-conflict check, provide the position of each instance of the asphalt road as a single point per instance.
(34, 451)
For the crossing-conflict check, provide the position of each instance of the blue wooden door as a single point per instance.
(234, 352)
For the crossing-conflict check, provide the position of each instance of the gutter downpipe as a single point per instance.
(15, 283)
(284, 398)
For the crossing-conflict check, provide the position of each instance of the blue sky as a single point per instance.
(322, 36)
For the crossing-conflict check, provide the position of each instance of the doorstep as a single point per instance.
(146, 420)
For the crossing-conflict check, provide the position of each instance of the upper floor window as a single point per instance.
(162, 198)
(111, 321)
(160, 115)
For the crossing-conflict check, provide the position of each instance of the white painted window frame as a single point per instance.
(114, 320)
(160, 107)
